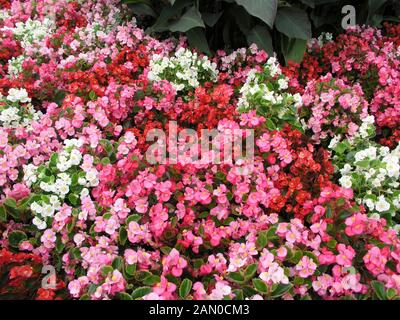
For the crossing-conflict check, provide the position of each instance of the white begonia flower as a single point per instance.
(298, 101)
(382, 205)
(84, 193)
(371, 153)
(82, 181)
(75, 157)
(55, 202)
(369, 119)
(335, 140)
(359, 156)
(62, 188)
(370, 204)
(35, 207)
(18, 95)
(376, 183)
(283, 83)
(346, 169)
(48, 211)
(40, 224)
(91, 174)
(345, 182)
(375, 216)
(384, 151)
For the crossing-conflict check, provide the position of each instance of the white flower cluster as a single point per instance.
(266, 91)
(323, 38)
(184, 69)
(257, 86)
(59, 184)
(4, 15)
(12, 115)
(366, 130)
(15, 65)
(374, 174)
(18, 95)
(45, 210)
(31, 31)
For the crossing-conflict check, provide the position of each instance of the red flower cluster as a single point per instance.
(23, 274)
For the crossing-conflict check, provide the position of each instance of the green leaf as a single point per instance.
(262, 9)
(133, 217)
(260, 285)
(251, 271)
(262, 239)
(142, 9)
(11, 203)
(391, 293)
(140, 292)
(293, 49)
(185, 288)
(270, 124)
(152, 280)
(294, 23)
(73, 199)
(124, 296)
(373, 8)
(281, 290)
(16, 237)
(236, 277)
(105, 161)
(261, 36)
(123, 235)
(117, 263)
(379, 289)
(3, 214)
(238, 294)
(59, 245)
(211, 18)
(198, 40)
(106, 270)
(189, 20)
(130, 269)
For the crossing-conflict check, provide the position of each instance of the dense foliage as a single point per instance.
(275, 26)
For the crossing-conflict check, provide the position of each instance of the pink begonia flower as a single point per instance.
(220, 291)
(26, 245)
(355, 225)
(131, 256)
(375, 260)
(305, 267)
(48, 239)
(165, 288)
(19, 191)
(173, 263)
(345, 256)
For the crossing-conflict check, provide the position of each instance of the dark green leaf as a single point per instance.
(211, 18)
(251, 271)
(294, 23)
(236, 277)
(260, 285)
(281, 290)
(185, 288)
(16, 237)
(198, 40)
(262, 9)
(3, 214)
(189, 20)
(261, 36)
(140, 292)
(379, 289)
